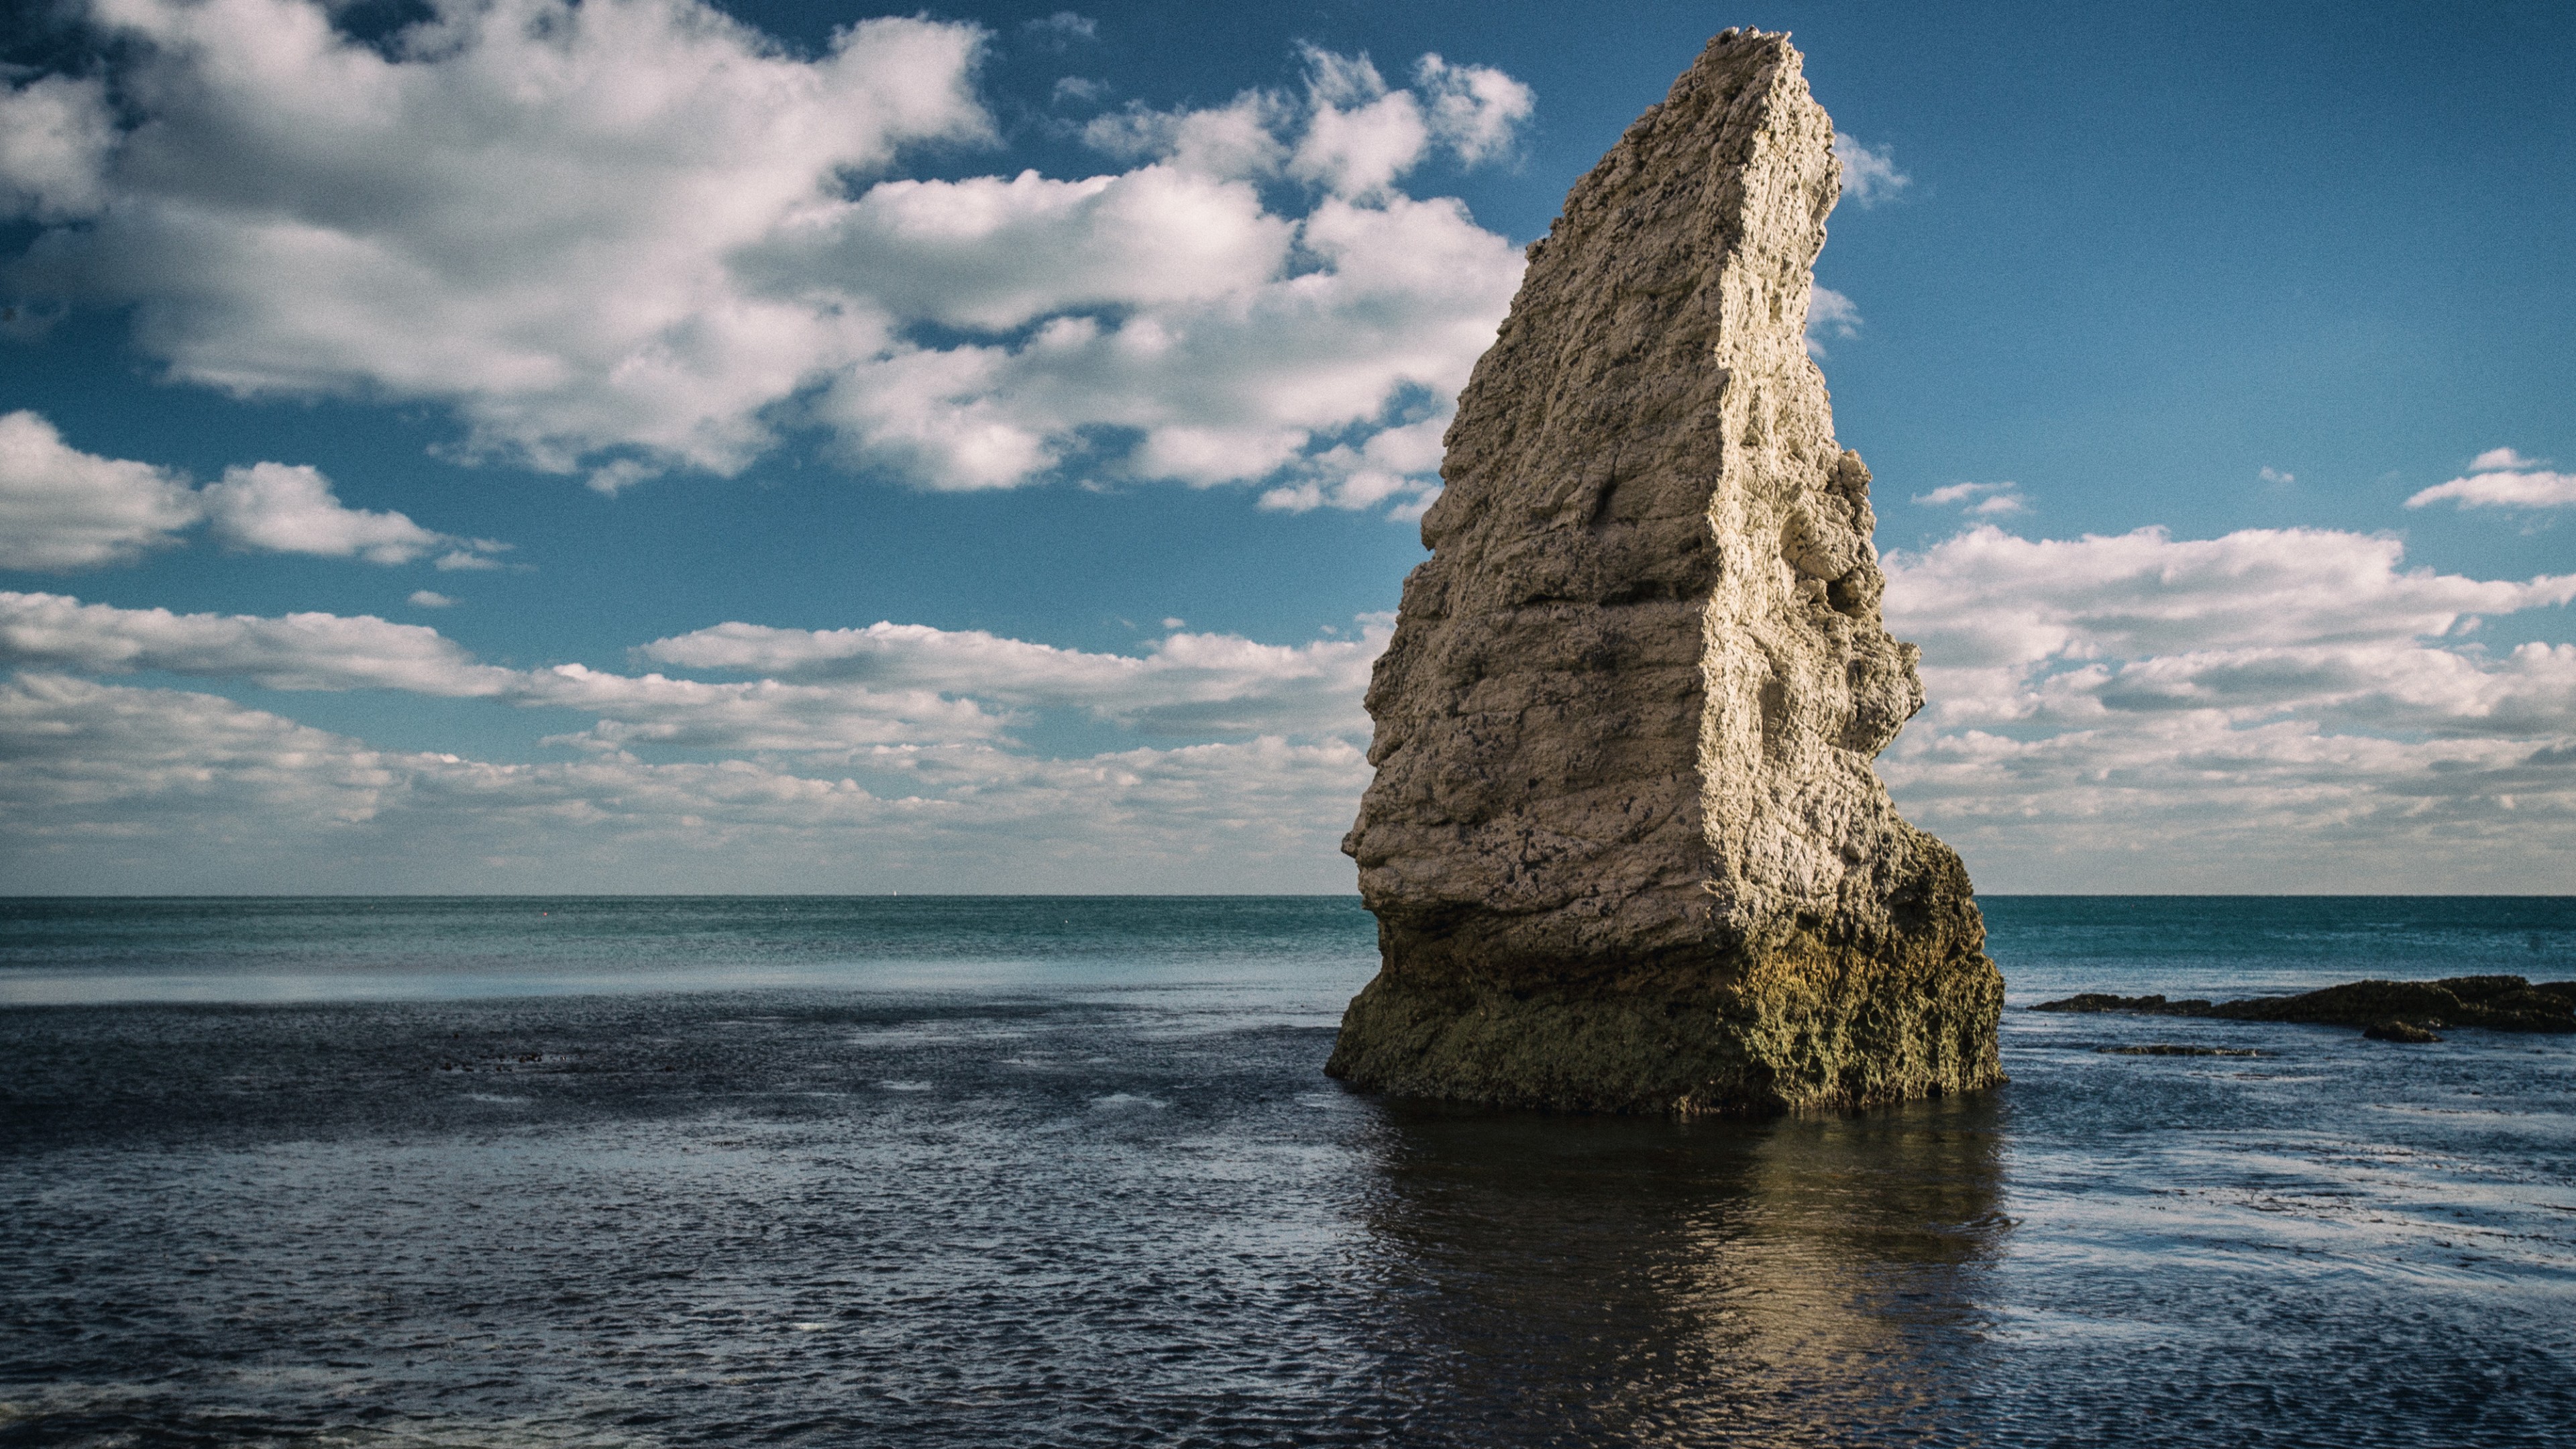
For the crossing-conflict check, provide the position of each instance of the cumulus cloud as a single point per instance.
(64, 509)
(634, 235)
(55, 135)
(2503, 478)
(1869, 173)
(430, 599)
(2269, 710)
(282, 508)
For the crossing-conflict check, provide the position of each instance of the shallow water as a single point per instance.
(1038, 1171)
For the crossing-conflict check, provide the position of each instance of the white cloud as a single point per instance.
(1360, 136)
(282, 508)
(1184, 684)
(158, 779)
(520, 207)
(1977, 500)
(61, 508)
(176, 790)
(55, 134)
(1829, 314)
(2276, 475)
(2268, 710)
(1063, 27)
(2503, 478)
(295, 651)
(825, 692)
(1869, 173)
(625, 236)
(430, 599)
(882, 751)
(1989, 598)
(2285, 709)
(1400, 465)
(1474, 110)
(338, 652)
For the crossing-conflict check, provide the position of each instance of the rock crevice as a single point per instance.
(1624, 844)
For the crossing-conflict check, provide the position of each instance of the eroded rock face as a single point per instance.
(1624, 845)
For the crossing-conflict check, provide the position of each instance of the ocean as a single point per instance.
(1035, 1171)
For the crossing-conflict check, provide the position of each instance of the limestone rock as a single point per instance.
(1624, 843)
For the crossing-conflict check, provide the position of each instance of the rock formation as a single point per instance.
(1624, 845)
(2497, 1003)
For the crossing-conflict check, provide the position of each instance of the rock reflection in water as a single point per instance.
(1640, 1281)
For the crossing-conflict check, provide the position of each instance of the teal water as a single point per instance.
(1038, 1171)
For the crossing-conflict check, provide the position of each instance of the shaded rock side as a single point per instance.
(1624, 844)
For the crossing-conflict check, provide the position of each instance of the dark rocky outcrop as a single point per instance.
(2498, 1003)
(1625, 846)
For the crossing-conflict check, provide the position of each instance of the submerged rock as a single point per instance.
(2144, 1005)
(2405, 1031)
(2498, 1003)
(1624, 845)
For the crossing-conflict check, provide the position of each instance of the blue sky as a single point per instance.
(521, 413)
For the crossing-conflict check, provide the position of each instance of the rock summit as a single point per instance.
(1624, 844)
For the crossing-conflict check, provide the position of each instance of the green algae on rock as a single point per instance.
(1624, 845)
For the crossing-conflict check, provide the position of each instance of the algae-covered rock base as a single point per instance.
(1624, 844)
(2400, 1011)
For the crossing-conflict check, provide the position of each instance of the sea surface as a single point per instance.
(1005, 1172)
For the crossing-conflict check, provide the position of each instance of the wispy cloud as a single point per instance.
(1063, 27)
(2503, 478)
(1869, 173)
(1829, 314)
(1977, 500)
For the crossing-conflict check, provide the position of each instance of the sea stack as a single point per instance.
(1624, 845)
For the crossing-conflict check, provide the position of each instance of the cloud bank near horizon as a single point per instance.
(2189, 705)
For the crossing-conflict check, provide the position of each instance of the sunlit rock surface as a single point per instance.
(1625, 847)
